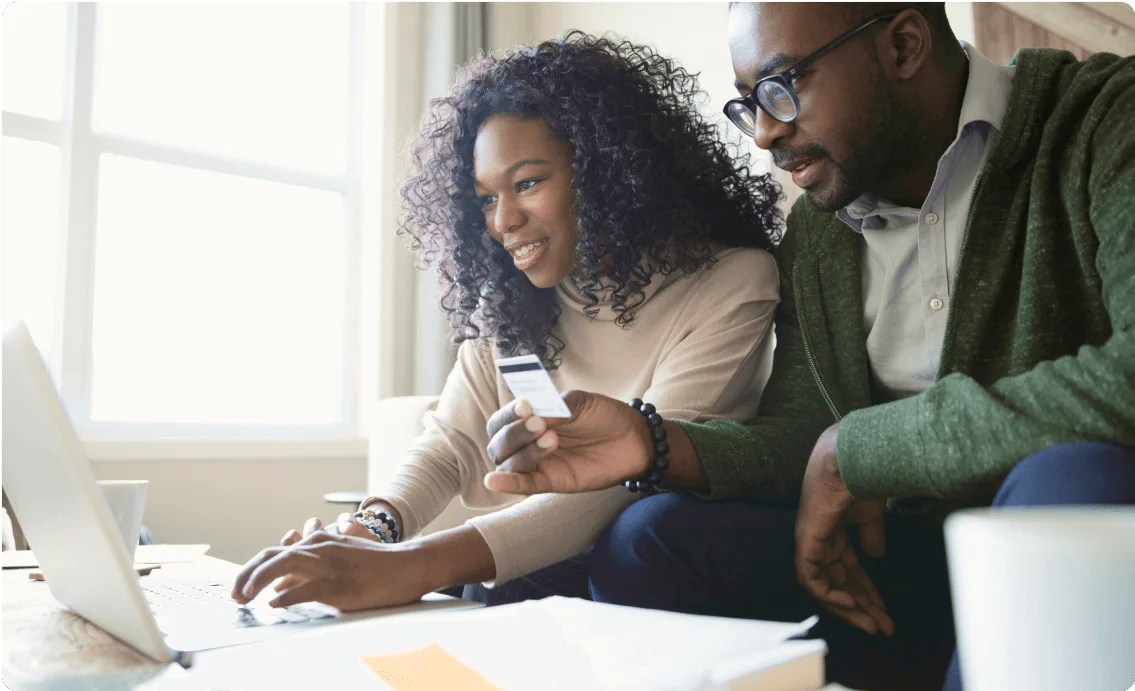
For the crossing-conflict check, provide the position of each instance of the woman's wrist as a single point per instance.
(377, 505)
(453, 557)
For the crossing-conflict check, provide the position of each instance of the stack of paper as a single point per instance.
(556, 643)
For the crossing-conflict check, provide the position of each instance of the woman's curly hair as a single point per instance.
(651, 180)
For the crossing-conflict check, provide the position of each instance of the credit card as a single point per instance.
(526, 378)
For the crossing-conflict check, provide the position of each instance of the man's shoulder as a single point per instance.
(805, 221)
(1056, 82)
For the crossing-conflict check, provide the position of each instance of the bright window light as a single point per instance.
(34, 34)
(30, 218)
(217, 300)
(261, 81)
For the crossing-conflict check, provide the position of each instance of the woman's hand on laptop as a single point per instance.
(604, 443)
(346, 572)
(346, 524)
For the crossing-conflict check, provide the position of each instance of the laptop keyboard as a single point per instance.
(209, 603)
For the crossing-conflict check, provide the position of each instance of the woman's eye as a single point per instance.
(525, 185)
(485, 200)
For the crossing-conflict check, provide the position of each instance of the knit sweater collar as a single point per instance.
(572, 298)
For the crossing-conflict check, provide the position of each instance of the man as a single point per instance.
(957, 328)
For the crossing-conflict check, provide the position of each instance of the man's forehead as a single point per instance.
(766, 37)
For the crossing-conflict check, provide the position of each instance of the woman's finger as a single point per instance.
(288, 582)
(251, 565)
(308, 591)
(290, 538)
(289, 562)
(312, 525)
(352, 528)
(329, 534)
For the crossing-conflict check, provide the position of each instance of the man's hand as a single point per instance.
(349, 573)
(604, 443)
(826, 565)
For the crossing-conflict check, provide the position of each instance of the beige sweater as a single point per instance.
(699, 347)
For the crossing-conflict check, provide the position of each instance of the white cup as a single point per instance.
(1044, 598)
(126, 499)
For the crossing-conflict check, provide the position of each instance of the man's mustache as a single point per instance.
(785, 155)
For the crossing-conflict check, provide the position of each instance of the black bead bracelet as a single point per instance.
(648, 483)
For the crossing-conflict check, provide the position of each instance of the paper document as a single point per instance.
(550, 644)
(426, 670)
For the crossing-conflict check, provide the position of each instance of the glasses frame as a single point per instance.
(786, 77)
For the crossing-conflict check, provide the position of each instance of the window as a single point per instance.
(179, 224)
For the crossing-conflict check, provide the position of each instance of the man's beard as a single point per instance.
(889, 145)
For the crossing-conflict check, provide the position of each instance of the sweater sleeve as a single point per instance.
(764, 457)
(715, 370)
(957, 438)
(448, 454)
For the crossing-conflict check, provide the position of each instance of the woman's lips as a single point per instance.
(525, 261)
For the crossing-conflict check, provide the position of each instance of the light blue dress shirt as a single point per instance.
(910, 255)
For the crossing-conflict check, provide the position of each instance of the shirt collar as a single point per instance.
(988, 88)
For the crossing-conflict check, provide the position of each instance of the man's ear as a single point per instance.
(905, 45)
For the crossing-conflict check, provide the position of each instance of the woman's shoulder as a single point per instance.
(741, 270)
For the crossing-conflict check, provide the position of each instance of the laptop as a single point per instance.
(51, 486)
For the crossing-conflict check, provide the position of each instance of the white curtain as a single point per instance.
(453, 33)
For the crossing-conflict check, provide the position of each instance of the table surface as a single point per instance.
(43, 641)
(47, 646)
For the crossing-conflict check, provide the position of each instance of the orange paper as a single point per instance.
(428, 669)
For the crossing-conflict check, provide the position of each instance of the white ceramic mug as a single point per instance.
(126, 499)
(1044, 598)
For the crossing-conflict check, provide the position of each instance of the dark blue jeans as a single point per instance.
(735, 559)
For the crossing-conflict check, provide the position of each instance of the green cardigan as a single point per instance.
(1040, 338)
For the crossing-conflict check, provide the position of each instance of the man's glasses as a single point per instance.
(775, 94)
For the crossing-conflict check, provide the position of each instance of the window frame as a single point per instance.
(80, 149)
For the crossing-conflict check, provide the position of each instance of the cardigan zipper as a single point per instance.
(961, 255)
(816, 370)
(816, 374)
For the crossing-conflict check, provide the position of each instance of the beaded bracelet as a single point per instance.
(381, 523)
(648, 483)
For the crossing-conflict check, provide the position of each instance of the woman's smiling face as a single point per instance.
(523, 175)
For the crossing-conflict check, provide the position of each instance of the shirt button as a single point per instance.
(936, 304)
(931, 218)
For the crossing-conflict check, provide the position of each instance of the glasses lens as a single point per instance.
(777, 100)
(743, 117)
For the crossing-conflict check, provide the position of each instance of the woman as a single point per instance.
(581, 209)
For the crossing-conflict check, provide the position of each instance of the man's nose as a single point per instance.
(769, 129)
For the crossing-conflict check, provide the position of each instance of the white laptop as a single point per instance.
(52, 489)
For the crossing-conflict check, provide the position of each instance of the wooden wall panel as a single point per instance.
(1080, 27)
(1001, 33)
